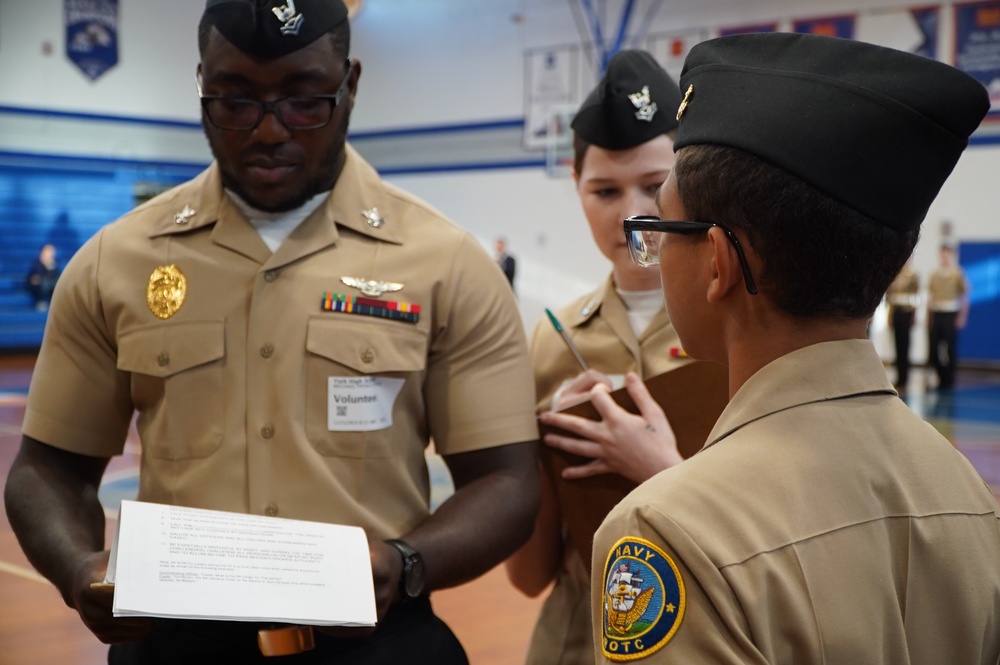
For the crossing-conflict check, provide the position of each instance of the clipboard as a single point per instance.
(692, 397)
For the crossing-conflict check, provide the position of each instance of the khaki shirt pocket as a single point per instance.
(177, 386)
(362, 346)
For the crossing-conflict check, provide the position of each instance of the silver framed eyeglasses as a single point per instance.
(240, 114)
(642, 235)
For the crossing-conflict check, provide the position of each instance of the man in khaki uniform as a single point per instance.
(823, 521)
(902, 296)
(292, 331)
(947, 312)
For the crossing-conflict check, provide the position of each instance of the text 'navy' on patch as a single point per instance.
(643, 600)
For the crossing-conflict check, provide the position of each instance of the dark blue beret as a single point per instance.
(635, 102)
(878, 129)
(273, 28)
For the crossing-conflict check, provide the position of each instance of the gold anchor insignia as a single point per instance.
(375, 219)
(166, 291)
(685, 101)
(185, 215)
(371, 287)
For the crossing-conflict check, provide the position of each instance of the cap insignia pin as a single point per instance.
(166, 291)
(371, 287)
(685, 101)
(375, 219)
(646, 107)
(185, 215)
(290, 19)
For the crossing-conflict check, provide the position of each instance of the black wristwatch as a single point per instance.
(412, 581)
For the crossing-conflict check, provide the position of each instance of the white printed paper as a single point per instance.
(169, 561)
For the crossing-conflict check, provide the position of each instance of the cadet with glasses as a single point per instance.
(823, 521)
(623, 144)
(215, 312)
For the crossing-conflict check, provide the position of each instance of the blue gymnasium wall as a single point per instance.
(62, 201)
(980, 340)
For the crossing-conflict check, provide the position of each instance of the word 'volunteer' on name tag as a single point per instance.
(361, 403)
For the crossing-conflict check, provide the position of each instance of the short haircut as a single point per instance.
(580, 149)
(819, 257)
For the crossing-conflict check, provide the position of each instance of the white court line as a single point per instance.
(21, 571)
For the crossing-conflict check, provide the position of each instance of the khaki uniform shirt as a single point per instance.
(824, 522)
(946, 289)
(904, 290)
(236, 391)
(598, 325)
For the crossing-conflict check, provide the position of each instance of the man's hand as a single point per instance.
(94, 605)
(387, 568)
(634, 446)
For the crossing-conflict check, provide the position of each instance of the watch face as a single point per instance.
(413, 574)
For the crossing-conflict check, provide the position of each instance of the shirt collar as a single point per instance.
(358, 190)
(817, 373)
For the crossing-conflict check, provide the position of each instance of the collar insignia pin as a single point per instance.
(290, 19)
(185, 215)
(646, 107)
(685, 101)
(371, 287)
(375, 219)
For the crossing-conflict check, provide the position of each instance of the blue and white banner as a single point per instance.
(829, 26)
(927, 20)
(92, 35)
(977, 46)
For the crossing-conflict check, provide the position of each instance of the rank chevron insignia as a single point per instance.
(372, 287)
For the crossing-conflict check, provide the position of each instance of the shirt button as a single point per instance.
(163, 359)
(267, 431)
(270, 276)
(266, 350)
(367, 355)
(271, 510)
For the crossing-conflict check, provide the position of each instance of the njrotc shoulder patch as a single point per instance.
(643, 600)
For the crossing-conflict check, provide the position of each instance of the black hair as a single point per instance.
(819, 257)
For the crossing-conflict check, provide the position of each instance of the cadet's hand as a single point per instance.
(578, 390)
(94, 605)
(636, 447)
(387, 568)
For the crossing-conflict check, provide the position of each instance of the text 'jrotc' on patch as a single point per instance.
(643, 600)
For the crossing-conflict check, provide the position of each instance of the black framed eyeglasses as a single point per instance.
(239, 114)
(644, 245)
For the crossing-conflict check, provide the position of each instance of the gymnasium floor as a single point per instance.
(493, 620)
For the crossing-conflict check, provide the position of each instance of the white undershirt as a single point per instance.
(641, 307)
(274, 227)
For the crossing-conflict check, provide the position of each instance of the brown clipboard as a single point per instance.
(692, 397)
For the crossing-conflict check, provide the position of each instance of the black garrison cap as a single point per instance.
(273, 28)
(632, 104)
(876, 129)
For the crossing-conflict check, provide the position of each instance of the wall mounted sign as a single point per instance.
(977, 46)
(92, 35)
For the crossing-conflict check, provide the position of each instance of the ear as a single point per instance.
(726, 272)
(355, 73)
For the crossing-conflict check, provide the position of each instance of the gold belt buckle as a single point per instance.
(285, 641)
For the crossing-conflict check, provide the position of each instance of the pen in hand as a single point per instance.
(569, 343)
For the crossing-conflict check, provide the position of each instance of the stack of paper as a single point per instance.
(168, 561)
